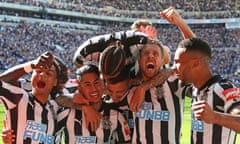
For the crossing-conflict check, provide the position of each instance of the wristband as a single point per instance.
(28, 68)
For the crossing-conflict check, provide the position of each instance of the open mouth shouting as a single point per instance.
(150, 69)
(41, 84)
(150, 66)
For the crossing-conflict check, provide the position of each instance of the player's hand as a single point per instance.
(171, 15)
(79, 99)
(7, 134)
(92, 117)
(158, 79)
(44, 61)
(137, 98)
(202, 111)
(149, 30)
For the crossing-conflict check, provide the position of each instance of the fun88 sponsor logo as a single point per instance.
(85, 139)
(147, 113)
(37, 133)
(197, 125)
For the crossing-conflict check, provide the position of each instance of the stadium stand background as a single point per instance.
(30, 27)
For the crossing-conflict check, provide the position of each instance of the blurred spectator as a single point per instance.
(20, 42)
(140, 9)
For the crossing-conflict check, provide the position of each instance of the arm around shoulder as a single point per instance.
(230, 120)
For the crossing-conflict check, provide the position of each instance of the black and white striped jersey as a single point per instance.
(220, 95)
(90, 50)
(31, 121)
(25, 84)
(70, 86)
(123, 108)
(77, 133)
(160, 117)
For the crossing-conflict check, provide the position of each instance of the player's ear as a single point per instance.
(79, 87)
(196, 62)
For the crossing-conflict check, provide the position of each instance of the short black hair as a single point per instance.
(86, 68)
(61, 70)
(196, 44)
(61, 75)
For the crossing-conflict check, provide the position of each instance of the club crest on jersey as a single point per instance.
(147, 113)
(231, 93)
(85, 139)
(126, 128)
(37, 133)
(126, 114)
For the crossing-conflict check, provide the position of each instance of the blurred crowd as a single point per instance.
(141, 8)
(20, 42)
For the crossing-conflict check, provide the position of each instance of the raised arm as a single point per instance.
(94, 45)
(91, 49)
(13, 74)
(173, 17)
(74, 101)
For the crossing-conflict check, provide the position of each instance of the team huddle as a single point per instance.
(123, 93)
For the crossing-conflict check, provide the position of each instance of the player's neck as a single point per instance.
(97, 105)
(202, 79)
(42, 98)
